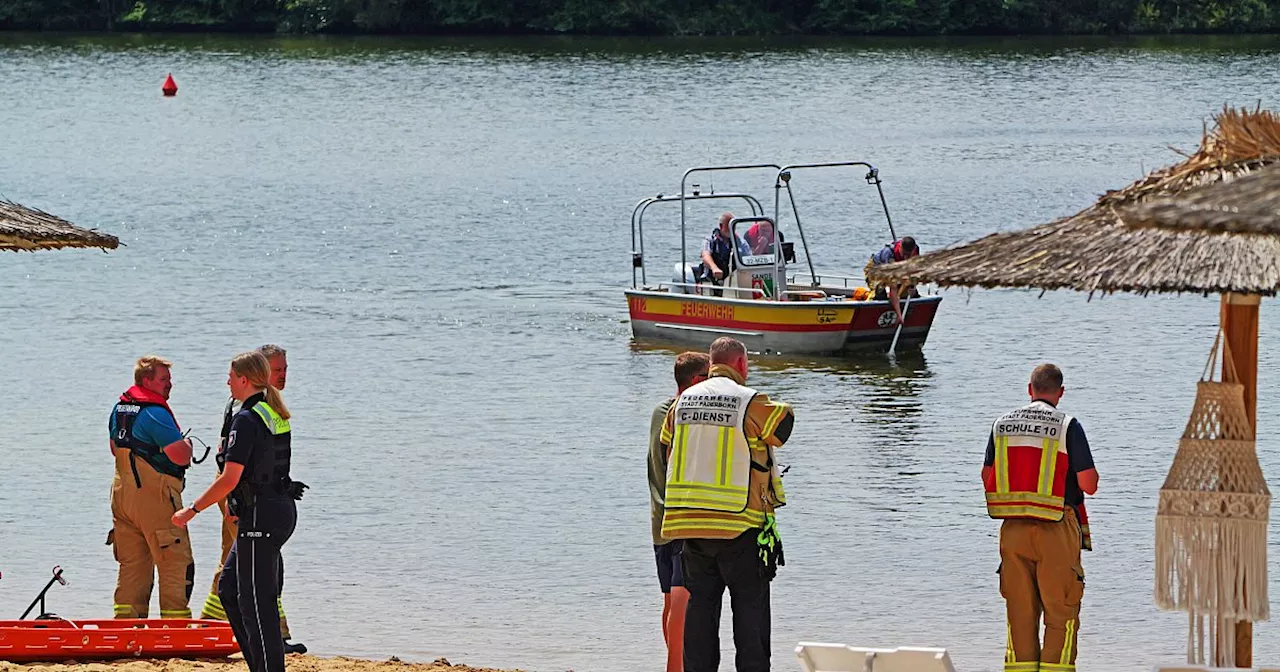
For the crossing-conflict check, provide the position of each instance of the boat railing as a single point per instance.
(816, 278)
(807, 293)
(637, 222)
(754, 291)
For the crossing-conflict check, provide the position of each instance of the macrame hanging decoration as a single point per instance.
(1211, 525)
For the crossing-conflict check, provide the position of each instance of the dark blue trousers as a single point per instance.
(251, 579)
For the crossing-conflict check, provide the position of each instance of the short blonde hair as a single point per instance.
(146, 367)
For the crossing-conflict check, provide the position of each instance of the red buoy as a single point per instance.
(170, 87)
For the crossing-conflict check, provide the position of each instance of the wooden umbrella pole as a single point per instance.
(1240, 328)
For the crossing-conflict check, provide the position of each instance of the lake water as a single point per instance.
(437, 231)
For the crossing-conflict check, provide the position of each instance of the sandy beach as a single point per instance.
(295, 663)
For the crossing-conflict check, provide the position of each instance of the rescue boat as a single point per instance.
(760, 302)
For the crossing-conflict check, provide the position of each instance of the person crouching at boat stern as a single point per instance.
(152, 458)
(899, 250)
(1036, 472)
(717, 252)
(690, 369)
(277, 357)
(255, 482)
(725, 514)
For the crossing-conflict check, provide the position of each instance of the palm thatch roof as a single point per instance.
(1094, 251)
(23, 228)
(1248, 204)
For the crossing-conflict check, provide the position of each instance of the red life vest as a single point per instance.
(897, 250)
(1031, 465)
(138, 393)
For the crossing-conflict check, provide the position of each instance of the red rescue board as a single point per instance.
(59, 640)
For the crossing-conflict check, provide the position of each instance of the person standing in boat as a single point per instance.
(690, 369)
(722, 489)
(260, 494)
(277, 357)
(1037, 470)
(899, 250)
(151, 458)
(717, 252)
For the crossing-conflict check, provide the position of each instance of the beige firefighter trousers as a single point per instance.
(146, 542)
(1040, 574)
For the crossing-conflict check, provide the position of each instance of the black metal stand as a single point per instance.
(57, 577)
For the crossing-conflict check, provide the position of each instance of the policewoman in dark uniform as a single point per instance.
(255, 481)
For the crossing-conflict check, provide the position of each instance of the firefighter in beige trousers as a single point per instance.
(1037, 470)
(278, 360)
(151, 458)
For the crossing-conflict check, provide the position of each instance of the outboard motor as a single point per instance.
(690, 276)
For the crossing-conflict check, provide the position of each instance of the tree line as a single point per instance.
(651, 17)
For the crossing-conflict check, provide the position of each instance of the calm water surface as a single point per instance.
(437, 231)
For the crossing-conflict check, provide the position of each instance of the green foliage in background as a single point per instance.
(652, 17)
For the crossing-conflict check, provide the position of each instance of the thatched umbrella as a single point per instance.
(23, 228)
(1248, 204)
(1095, 251)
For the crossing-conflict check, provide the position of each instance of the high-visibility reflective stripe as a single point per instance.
(681, 443)
(175, 613)
(1023, 667)
(275, 423)
(1021, 511)
(725, 440)
(1009, 657)
(708, 488)
(709, 520)
(711, 493)
(775, 418)
(1056, 667)
(1024, 497)
(1068, 645)
(1048, 460)
(213, 608)
(693, 495)
(1002, 464)
(127, 610)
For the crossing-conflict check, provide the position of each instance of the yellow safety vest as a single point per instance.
(1030, 464)
(710, 473)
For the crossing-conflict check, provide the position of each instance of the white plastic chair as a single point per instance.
(818, 657)
(1205, 668)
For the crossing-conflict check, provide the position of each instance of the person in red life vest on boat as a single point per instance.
(151, 458)
(899, 250)
(760, 238)
(1036, 472)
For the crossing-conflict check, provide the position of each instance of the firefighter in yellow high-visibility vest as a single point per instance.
(1037, 470)
(277, 358)
(722, 488)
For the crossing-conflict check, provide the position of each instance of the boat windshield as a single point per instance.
(759, 236)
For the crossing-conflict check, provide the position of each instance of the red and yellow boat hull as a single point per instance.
(794, 327)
